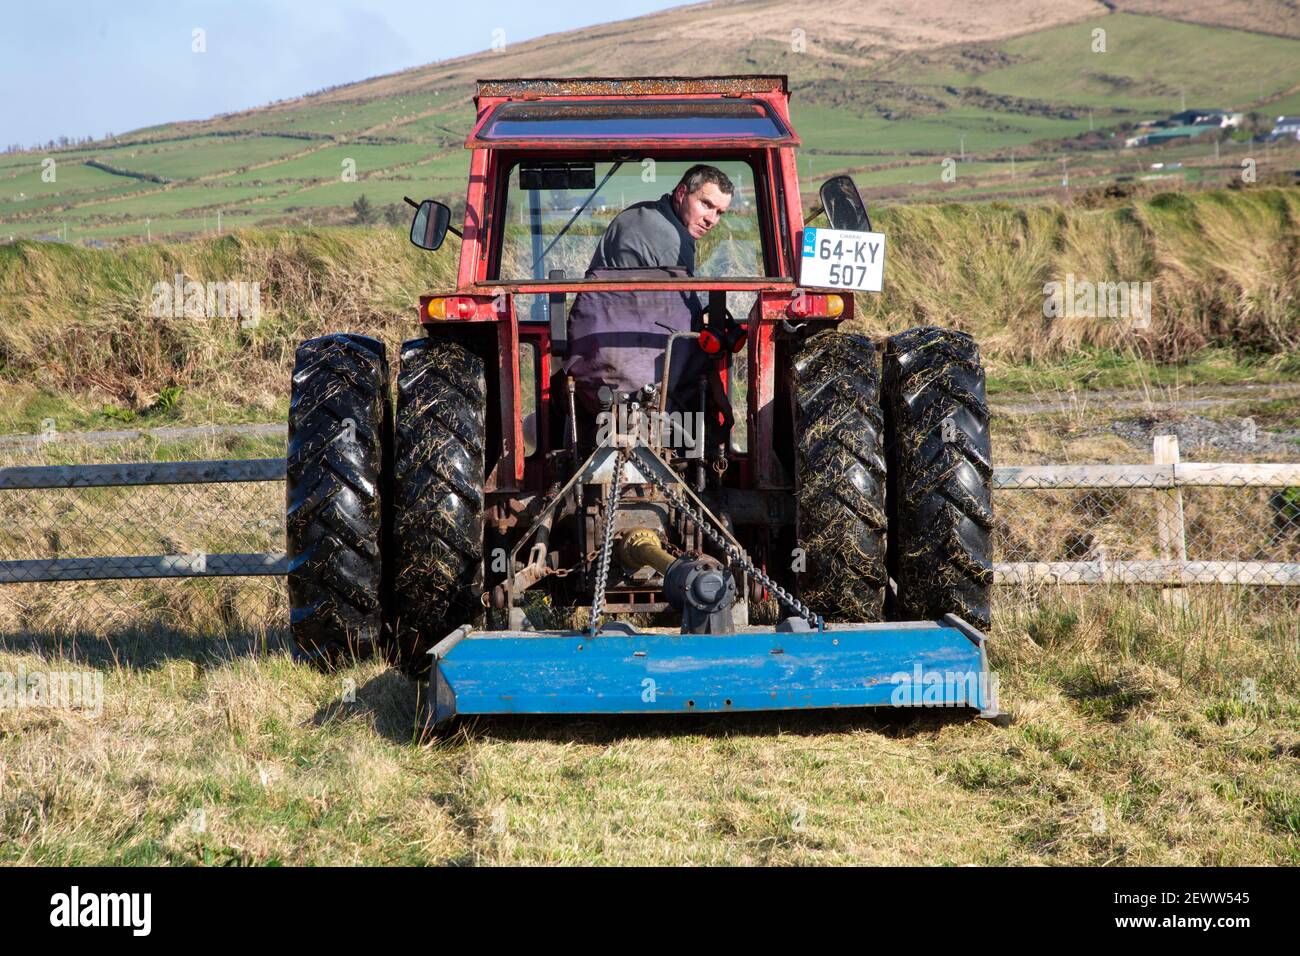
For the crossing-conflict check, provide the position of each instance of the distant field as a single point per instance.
(1149, 64)
(177, 200)
(74, 184)
(955, 83)
(332, 161)
(68, 178)
(383, 189)
(189, 159)
(1288, 105)
(349, 117)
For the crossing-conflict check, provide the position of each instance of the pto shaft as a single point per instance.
(641, 548)
(700, 587)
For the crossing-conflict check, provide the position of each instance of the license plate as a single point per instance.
(839, 259)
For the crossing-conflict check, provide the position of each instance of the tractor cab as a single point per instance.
(554, 161)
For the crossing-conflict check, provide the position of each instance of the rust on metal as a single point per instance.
(617, 109)
(632, 86)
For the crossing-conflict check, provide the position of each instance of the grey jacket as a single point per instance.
(645, 235)
(618, 338)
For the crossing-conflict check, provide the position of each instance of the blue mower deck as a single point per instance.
(898, 664)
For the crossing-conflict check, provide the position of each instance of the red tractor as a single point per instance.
(814, 508)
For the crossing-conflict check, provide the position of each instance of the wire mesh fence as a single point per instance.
(1226, 534)
(207, 557)
(1240, 540)
(114, 560)
(204, 532)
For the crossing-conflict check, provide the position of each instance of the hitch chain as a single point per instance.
(606, 544)
(736, 556)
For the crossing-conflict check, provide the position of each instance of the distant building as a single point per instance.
(1217, 118)
(1169, 134)
(1185, 125)
(1286, 127)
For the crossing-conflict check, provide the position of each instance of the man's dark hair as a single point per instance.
(699, 174)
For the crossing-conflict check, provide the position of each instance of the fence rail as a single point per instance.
(120, 436)
(1177, 475)
(1167, 573)
(143, 473)
(197, 565)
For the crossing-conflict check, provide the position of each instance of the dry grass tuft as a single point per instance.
(81, 321)
(1224, 268)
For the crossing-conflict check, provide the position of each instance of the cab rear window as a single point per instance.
(544, 230)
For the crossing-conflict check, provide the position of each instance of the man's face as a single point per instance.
(700, 211)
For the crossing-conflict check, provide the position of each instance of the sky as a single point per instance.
(89, 67)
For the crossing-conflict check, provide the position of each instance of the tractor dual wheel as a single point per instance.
(437, 497)
(840, 477)
(939, 476)
(338, 425)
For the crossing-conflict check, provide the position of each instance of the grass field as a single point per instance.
(332, 161)
(1147, 65)
(191, 159)
(1145, 733)
(1138, 739)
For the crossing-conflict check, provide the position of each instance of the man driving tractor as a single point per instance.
(620, 338)
(661, 234)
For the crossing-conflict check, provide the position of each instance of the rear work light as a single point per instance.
(452, 307)
(812, 305)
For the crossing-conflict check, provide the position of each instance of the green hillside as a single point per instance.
(889, 116)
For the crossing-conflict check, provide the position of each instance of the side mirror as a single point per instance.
(429, 225)
(844, 206)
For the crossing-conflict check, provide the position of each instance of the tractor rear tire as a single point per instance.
(940, 473)
(840, 468)
(338, 433)
(437, 574)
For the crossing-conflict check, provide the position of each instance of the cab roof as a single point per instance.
(565, 87)
(665, 112)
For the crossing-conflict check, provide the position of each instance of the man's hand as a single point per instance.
(721, 399)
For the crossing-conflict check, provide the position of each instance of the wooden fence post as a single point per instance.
(1169, 515)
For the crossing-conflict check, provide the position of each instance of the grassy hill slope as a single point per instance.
(887, 93)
